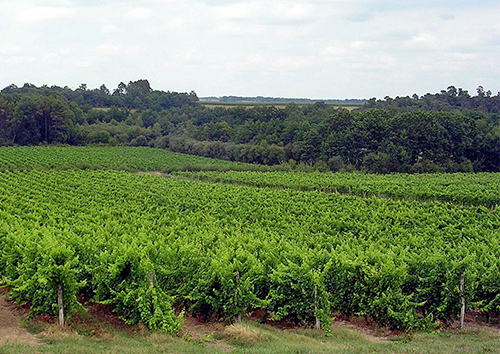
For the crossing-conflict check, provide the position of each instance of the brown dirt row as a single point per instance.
(11, 330)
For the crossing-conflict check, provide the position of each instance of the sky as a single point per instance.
(336, 49)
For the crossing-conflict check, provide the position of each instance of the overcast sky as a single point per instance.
(313, 49)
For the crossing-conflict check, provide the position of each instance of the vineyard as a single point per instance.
(270, 241)
(100, 157)
(481, 189)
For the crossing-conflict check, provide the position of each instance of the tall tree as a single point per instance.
(25, 128)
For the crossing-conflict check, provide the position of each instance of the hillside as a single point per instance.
(181, 251)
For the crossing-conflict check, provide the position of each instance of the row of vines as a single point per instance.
(105, 157)
(222, 250)
(480, 189)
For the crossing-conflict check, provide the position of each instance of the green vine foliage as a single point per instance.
(124, 283)
(44, 265)
(298, 292)
(149, 305)
(226, 287)
(221, 250)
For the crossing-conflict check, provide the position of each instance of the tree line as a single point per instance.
(278, 100)
(449, 131)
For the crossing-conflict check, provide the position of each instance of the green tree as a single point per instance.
(58, 120)
(26, 121)
(6, 112)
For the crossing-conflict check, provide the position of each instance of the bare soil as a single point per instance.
(152, 173)
(196, 330)
(367, 333)
(11, 330)
(99, 318)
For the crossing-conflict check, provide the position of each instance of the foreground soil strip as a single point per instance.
(10, 325)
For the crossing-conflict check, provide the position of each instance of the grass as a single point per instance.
(250, 337)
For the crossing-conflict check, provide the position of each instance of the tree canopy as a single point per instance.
(448, 131)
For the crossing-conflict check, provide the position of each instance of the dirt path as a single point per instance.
(365, 333)
(10, 325)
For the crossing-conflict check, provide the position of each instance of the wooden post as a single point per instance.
(151, 277)
(237, 275)
(462, 291)
(318, 322)
(61, 305)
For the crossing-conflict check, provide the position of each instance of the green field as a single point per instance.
(272, 243)
(481, 189)
(100, 157)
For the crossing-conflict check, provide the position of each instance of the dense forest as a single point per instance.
(449, 131)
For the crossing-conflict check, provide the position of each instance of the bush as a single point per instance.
(139, 141)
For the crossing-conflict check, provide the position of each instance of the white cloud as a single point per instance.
(108, 28)
(465, 56)
(286, 13)
(140, 13)
(294, 63)
(281, 48)
(333, 51)
(84, 62)
(20, 59)
(51, 59)
(447, 17)
(178, 22)
(380, 60)
(40, 13)
(108, 48)
(239, 11)
(187, 56)
(276, 12)
(424, 40)
(357, 44)
(9, 48)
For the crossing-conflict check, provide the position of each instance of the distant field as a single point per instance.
(210, 104)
